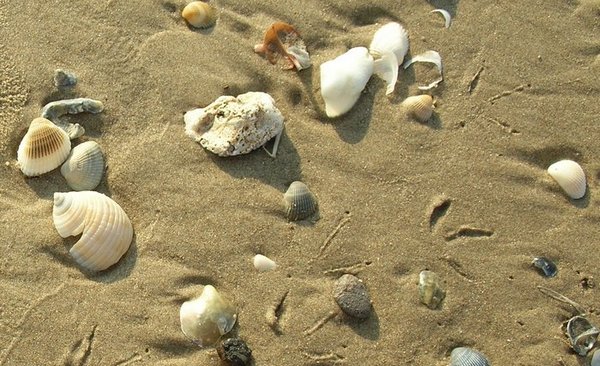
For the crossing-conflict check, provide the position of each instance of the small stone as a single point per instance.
(351, 295)
(545, 266)
(64, 78)
(234, 352)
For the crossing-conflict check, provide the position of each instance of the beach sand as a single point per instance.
(199, 219)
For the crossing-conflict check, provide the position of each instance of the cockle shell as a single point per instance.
(299, 202)
(84, 167)
(344, 78)
(263, 263)
(206, 318)
(570, 177)
(231, 126)
(464, 356)
(43, 148)
(105, 228)
(200, 14)
(388, 48)
(419, 107)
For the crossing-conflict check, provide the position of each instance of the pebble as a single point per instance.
(351, 295)
(63, 78)
(234, 352)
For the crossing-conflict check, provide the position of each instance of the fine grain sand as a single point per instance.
(200, 219)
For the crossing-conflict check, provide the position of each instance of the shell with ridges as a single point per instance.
(84, 167)
(464, 356)
(299, 202)
(43, 148)
(200, 14)
(419, 107)
(388, 48)
(105, 228)
(570, 177)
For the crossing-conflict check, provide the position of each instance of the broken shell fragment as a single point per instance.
(419, 107)
(351, 295)
(582, 334)
(206, 318)
(446, 15)
(54, 110)
(200, 14)
(388, 48)
(43, 148)
(299, 202)
(570, 177)
(64, 79)
(428, 57)
(283, 40)
(430, 292)
(545, 265)
(464, 356)
(232, 126)
(84, 167)
(106, 230)
(264, 264)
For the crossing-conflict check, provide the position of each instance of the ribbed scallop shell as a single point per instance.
(391, 37)
(464, 356)
(419, 107)
(105, 228)
(84, 167)
(200, 14)
(43, 148)
(570, 177)
(299, 202)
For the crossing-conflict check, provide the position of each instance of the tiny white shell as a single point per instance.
(264, 264)
(200, 14)
(446, 15)
(84, 167)
(388, 48)
(570, 177)
(43, 148)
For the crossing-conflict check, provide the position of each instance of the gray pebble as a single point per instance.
(351, 295)
(64, 78)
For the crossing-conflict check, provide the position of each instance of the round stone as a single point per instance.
(351, 295)
(234, 352)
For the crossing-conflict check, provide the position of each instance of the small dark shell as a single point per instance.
(351, 295)
(234, 352)
(546, 266)
(465, 356)
(299, 202)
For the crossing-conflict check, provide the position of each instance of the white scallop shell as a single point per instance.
(206, 318)
(464, 356)
(105, 228)
(388, 48)
(344, 78)
(84, 167)
(264, 264)
(43, 148)
(570, 177)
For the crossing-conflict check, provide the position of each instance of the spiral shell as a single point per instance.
(84, 167)
(43, 148)
(419, 107)
(299, 202)
(105, 228)
(200, 14)
(570, 177)
(464, 356)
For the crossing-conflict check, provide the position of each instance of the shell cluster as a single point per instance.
(570, 177)
(200, 14)
(299, 202)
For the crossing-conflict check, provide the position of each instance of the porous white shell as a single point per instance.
(464, 356)
(200, 14)
(388, 48)
(570, 177)
(344, 78)
(263, 263)
(105, 228)
(231, 126)
(206, 318)
(299, 202)
(43, 148)
(84, 167)
(419, 107)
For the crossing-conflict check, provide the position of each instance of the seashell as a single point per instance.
(388, 48)
(428, 57)
(84, 167)
(351, 295)
(263, 263)
(594, 358)
(299, 202)
(43, 148)
(344, 78)
(234, 352)
(582, 334)
(105, 228)
(283, 40)
(430, 292)
(546, 266)
(232, 126)
(419, 107)
(200, 14)
(464, 356)
(206, 318)
(570, 177)
(446, 15)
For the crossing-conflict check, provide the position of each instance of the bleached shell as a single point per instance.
(206, 318)
(464, 356)
(43, 148)
(263, 263)
(200, 14)
(391, 37)
(299, 202)
(419, 107)
(446, 15)
(105, 228)
(344, 78)
(570, 177)
(231, 126)
(84, 167)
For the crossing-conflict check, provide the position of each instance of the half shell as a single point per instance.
(200, 14)
(43, 148)
(105, 228)
(570, 177)
(388, 48)
(84, 167)
(299, 202)
(464, 356)
(419, 107)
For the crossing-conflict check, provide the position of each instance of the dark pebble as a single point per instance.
(234, 352)
(351, 295)
(64, 78)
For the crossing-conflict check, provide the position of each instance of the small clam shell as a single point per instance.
(200, 14)
(206, 318)
(429, 289)
(582, 334)
(43, 148)
(105, 228)
(419, 107)
(299, 202)
(264, 264)
(464, 356)
(84, 167)
(570, 177)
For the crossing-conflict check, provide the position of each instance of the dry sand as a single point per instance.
(200, 219)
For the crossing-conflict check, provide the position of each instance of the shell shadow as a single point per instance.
(368, 328)
(175, 347)
(47, 184)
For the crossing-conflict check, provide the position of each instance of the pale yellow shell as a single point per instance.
(44, 147)
(419, 107)
(570, 177)
(200, 14)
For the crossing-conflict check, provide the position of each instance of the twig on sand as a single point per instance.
(562, 298)
(321, 322)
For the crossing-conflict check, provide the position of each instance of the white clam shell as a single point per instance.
(263, 263)
(344, 78)
(570, 177)
(43, 148)
(206, 318)
(84, 167)
(464, 356)
(388, 48)
(105, 228)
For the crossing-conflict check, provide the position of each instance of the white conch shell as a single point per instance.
(419, 107)
(344, 78)
(84, 167)
(105, 228)
(388, 48)
(200, 14)
(263, 263)
(570, 177)
(206, 318)
(428, 57)
(43, 148)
